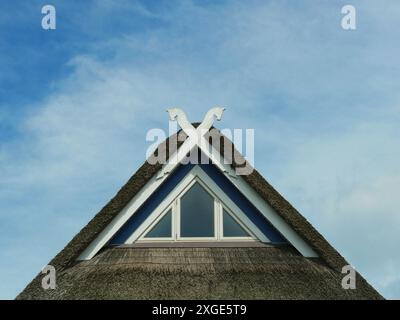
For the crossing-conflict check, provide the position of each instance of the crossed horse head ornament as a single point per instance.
(180, 116)
(195, 137)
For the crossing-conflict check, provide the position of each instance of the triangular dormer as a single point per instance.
(198, 209)
(226, 192)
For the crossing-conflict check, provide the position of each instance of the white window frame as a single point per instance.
(219, 206)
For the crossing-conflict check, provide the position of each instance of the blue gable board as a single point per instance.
(173, 180)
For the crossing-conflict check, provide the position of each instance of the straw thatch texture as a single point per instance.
(200, 273)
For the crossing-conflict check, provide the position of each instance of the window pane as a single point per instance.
(197, 213)
(163, 227)
(232, 228)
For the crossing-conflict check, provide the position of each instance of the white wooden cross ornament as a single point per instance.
(195, 138)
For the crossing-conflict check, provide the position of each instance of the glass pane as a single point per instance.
(163, 227)
(197, 213)
(232, 228)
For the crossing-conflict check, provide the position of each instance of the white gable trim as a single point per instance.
(269, 213)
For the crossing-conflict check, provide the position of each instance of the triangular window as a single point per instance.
(163, 228)
(197, 213)
(231, 227)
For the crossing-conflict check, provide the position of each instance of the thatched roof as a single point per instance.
(266, 272)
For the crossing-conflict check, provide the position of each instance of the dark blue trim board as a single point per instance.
(173, 180)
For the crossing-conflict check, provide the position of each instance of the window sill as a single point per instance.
(194, 244)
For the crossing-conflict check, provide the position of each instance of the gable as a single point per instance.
(138, 215)
(101, 229)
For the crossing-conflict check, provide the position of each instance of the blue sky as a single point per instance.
(76, 103)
